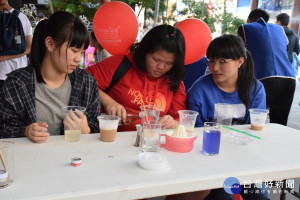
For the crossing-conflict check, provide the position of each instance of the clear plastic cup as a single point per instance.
(6, 163)
(258, 118)
(188, 118)
(71, 115)
(152, 112)
(108, 125)
(150, 136)
(224, 112)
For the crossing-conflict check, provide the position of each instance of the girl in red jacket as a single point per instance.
(154, 78)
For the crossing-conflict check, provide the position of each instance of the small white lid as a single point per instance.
(3, 174)
(153, 161)
(76, 160)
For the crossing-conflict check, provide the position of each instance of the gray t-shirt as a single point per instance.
(49, 102)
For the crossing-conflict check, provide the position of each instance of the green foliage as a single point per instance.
(148, 6)
(230, 23)
(210, 21)
(194, 9)
(76, 7)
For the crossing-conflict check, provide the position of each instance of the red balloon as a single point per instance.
(115, 27)
(197, 36)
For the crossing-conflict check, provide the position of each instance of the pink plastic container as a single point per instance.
(180, 145)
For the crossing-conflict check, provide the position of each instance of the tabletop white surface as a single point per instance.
(111, 170)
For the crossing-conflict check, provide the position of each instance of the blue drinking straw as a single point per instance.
(242, 132)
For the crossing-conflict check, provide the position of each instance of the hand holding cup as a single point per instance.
(37, 132)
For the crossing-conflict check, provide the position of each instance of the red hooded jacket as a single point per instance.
(154, 91)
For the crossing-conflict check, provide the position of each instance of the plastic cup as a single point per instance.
(224, 112)
(188, 118)
(71, 115)
(150, 136)
(258, 118)
(152, 112)
(6, 164)
(108, 125)
(211, 138)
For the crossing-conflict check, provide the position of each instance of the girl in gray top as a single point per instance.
(31, 97)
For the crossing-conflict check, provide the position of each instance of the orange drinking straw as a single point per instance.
(146, 115)
(143, 104)
(2, 160)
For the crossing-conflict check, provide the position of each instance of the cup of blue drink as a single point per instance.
(211, 138)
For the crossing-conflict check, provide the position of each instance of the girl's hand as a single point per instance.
(37, 132)
(76, 121)
(116, 109)
(168, 122)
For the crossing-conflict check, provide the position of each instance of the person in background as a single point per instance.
(142, 33)
(89, 56)
(267, 44)
(154, 78)
(296, 65)
(293, 46)
(9, 63)
(100, 53)
(40, 17)
(103, 1)
(193, 72)
(231, 81)
(31, 98)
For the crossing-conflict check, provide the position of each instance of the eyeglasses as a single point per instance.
(221, 61)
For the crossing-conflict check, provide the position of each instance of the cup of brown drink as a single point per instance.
(108, 125)
(258, 118)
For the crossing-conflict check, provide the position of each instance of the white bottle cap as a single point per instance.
(76, 161)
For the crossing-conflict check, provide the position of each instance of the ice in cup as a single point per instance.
(108, 125)
(152, 112)
(258, 118)
(73, 116)
(211, 138)
(150, 136)
(6, 163)
(188, 118)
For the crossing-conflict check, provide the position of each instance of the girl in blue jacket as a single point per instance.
(231, 81)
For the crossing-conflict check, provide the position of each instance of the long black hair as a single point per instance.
(61, 27)
(168, 38)
(233, 47)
